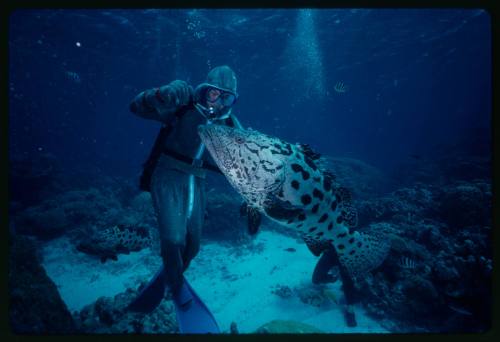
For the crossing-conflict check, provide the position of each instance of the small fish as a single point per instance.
(407, 263)
(340, 87)
(73, 76)
(290, 249)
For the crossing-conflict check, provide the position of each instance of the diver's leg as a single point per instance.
(327, 260)
(196, 218)
(169, 190)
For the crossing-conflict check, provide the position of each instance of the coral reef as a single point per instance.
(434, 267)
(282, 291)
(68, 210)
(363, 180)
(110, 316)
(466, 203)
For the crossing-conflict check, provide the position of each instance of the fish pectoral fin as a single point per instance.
(279, 209)
(317, 246)
(254, 220)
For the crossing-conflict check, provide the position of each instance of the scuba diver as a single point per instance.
(175, 174)
(321, 275)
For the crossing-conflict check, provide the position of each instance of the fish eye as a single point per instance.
(239, 140)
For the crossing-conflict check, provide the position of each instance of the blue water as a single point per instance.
(415, 79)
(407, 91)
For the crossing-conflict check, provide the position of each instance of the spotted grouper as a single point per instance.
(109, 242)
(287, 183)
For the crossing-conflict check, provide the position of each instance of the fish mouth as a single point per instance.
(212, 141)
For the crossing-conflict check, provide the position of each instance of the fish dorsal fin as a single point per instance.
(329, 174)
(308, 151)
(316, 246)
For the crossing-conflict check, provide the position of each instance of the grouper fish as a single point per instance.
(119, 239)
(287, 183)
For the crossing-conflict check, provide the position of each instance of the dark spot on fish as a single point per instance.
(327, 183)
(142, 232)
(330, 226)
(312, 229)
(301, 217)
(252, 150)
(351, 240)
(320, 234)
(290, 249)
(339, 219)
(316, 179)
(297, 168)
(295, 185)
(359, 243)
(341, 235)
(299, 225)
(318, 194)
(352, 252)
(334, 205)
(315, 208)
(305, 175)
(306, 199)
(323, 218)
(267, 169)
(340, 246)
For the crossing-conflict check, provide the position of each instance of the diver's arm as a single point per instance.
(235, 122)
(159, 103)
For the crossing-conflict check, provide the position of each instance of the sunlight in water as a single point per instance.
(303, 58)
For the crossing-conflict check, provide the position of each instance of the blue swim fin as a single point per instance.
(151, 295)
(193, 316)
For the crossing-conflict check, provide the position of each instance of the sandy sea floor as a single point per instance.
(235, 283)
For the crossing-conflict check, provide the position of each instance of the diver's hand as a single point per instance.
(179, 92)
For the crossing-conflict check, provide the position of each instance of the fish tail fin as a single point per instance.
(366, 253)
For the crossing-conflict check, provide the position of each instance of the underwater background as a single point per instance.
(400, 99)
